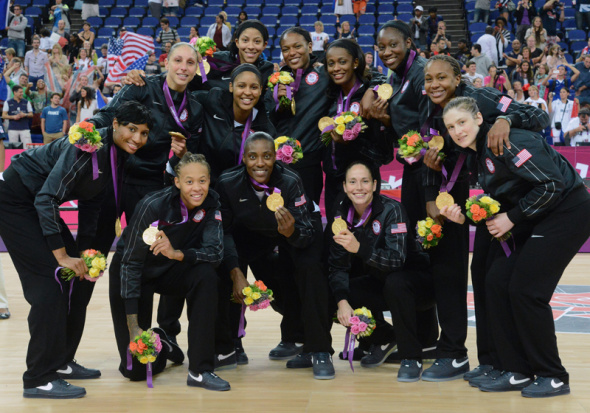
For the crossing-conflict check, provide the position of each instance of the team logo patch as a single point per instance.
(521, 158)
(376, 227)
(184, 116)
(490, 165)
(312, 78)
(300, 201)
(405, 86)
(199, 216)
(504, 103)
(399, 228)
(218, 215)
(355, 107)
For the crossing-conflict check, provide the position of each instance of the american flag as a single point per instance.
(399, 228)
(125, 51)
(300, 201)
(521, 158)
(504, 103)
(218, 215)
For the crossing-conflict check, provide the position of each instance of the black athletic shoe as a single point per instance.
(74, 371)
(485, 378)
(446, 369)
(323, 368)
(546, 387)
(358, 354)
(56, 389)
(378, 354)
(208, 381)
(301, 361)
(175, 353)
(409, 371)
(241, 356)
(508, 381)
(226, 361)
(428, 355)
(478, 371)
(285, 351)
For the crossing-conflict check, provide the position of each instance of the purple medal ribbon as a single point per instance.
(291, 90)
(349, 343)
(343, 107)
(221, 65)
(115, 180)
(241, 329)
(183, 211)
(61, 288)
(265, 187)
(94, 166)
(408, 65)
(365, 216)
(129, 359)
(173, 111)
(244, 136)
(203, 73)
(448, 184)
(148, 369)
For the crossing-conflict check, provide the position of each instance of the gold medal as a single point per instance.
(293, 106)
(150, 235)
(274, 201)
(206, 66)
(177, 135)
(385, 91)
(338, 226)
(437, 141)
(444, 199)
(118, 229)
(325, 122)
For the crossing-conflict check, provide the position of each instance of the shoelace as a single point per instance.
(540, 380)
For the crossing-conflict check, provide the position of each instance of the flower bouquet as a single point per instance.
(348, 125)
(483, 207)
(288, 149)
(258, 296)
(412, 146)
(96, 263)
(145, 348)
(281, 78)
(362, 324)
(206, 46)
(85, 137)
(429, 233)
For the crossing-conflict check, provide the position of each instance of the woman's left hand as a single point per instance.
(499, 225)
(348, 241)
(178, 146)
(498, 136)
(162, 246)
(286, 221)
(337, 138)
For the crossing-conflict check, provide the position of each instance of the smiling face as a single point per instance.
(440, 82)
(181, 65)
(341, 66)
(130, 137)
(246, 90)
(55, 100)
(524, 67)
(359, 186)
(296, 51)
(193, 181)
(250, 44)
(463, 127)
(259, 158)
(392, 47)
(193, 33)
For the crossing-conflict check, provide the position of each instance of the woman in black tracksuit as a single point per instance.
(180, 262)
(377, 263)
(345, 64)
(38, 241)
(443, 83)
(544, 204)
(252, 230)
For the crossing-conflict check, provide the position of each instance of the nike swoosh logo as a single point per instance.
(537, 236)
(457, 365)
(217, 117)
(513, 381)
(226, 78)
(199, 379)
(384, 347)
(556, 385)
(223, 357)
(243, 200)
(68, 370)
(47, 387)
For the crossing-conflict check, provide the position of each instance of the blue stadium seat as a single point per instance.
(294, 3)
(233, 11)
(307, 20)
(106, 3)
(136, 12)
(404, 8)
(405, 17)
(327, 9)
(539, 4)
(563, 45)
(269, 21)
(576, 35)
(475, 37)
(366, 31)
(309, 11)
(276, 55)
(328, 20)
(95, 21)
(33, 11)
(569, 58)
(371, 9)
(348, 18)
(124, 3)
(569, 24)
(113, 22)
(22, 3)
(280, 30)
(131, 22)
(141, 3)
(276, 3)
(235, 3)
(212, 11)
(218, 3)
(106, 32)
(150, 22)
(367, 19)
(271, 32)
(207, 20)
(118, 12)
(290, 11)
(469, 6)
(385, 9)
(104, 12)
(184, 32)
(366, 41)
(252, 12)
(383, 18)
(193, 11)
(276, 43)
(477, 27)
(203, 31)
(188, 22)
(146, 31)
(102, 40)
(255, 3)
(578, 46)
(40, 3)
(330, 30)
(271, 11)
(173, 21)
(569, 13)
(288, 21)
(307, 27)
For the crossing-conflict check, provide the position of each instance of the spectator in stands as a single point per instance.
(168, 34)
(341, 8)
(18, 110)
(193, 35)
(517, 93)
(46, 42)
(359, 8)
(583, 14)
(511, 58)
(555, 57)
(319, 40)
(471, 72)
(86, 34)
(536, 54)
(488, 45)
(538, 32)
(432, 22)
(560, 111)
(61, 29)
(225, 20)
(525, 12)
(441, 34)
(582, 84)
(370, 61)
(164, 55)
(103, 61)
(35, 60)
(535, 100)
(60, 65)
(585, 51)
(82, 62)
(482, 61)
(87, 104)
(419, 28)
(482, 11)
(578, 129)
(442, 47)
(559, 79)
(40, 97)
(502, 35)
(344, 31)
(540, 75)
(551, 13)
(242, 17)
(504, 8)
(498, 79)
(17, 23)
(89, 9)
(23, 79)
(54, 120)
(463, 55)
(523, 74)
(76, 93)
(10, 54)
(478, 82)
(58, 13)
(155, 8)
(220, 33)
(74, 47)
(152, 67)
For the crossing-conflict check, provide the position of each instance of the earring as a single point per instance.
(355, 67)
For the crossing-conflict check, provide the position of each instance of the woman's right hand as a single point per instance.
(345, 311)
(75, 264)
(432, 160)
(239, 283)
(433, 212)
(453, 213)
(282, 91)
(134, 77)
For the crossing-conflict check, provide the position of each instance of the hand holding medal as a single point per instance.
(161, 245)
(178, 144)
(285, 221)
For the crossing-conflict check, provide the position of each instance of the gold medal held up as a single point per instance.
(444, 199)
(274, 201)
(118, 228)
(293, 106)
(150, 235)
(437, 141)
(338, 226)
(325, 122)
(385, 91)
(206, 66)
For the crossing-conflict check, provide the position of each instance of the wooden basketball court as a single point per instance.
(264, 385)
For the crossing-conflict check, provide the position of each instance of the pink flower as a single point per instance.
(287, 150)
(287, 159)
(264, 304)
(280, 155)
(354, 320)
(363, 326)
(354, 329)
(254, 307)
(349, 135)
(357, 129)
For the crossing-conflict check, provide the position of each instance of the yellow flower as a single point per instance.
(339, 120)
(348, 118)
(281, 139)
(143, 360)
(428, 224)
(95, 263)
(428, 219)
(486, 200)
(75, 137)
(248, 300)
(94, 272)
(247, 291)
(340, 129)
(422, 232)
(74, 128)
(103, 264)
(287, 76)
(256, 296)
(151, 358)
(494, 209)
(368, 312)
(285, 80)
